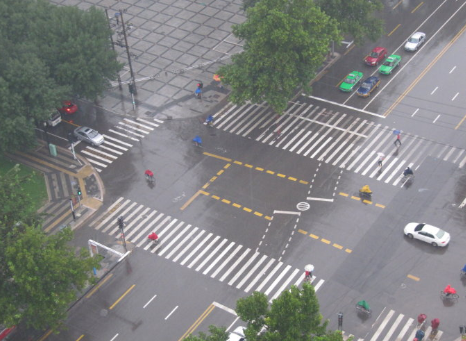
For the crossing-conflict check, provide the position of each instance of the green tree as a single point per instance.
(215, 334)
(285, 42)
(14, 203)
(40, 276)
(294, 316)
(48, 53)
(356, 17)
(75, 45)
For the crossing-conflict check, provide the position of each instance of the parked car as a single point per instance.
(415, 41)
(237, 334)
(6, 332)
(390, 64)
(369, 85)
(427, 233)
(376, 56)
(351, 81)
(89, 135)
(68, 108)
(55, 119)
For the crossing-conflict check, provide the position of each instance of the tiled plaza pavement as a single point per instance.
(174, 44)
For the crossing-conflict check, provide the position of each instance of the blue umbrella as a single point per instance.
(396, 132)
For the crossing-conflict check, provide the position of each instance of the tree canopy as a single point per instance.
(40, 275)
(355, 17)
(285, 42)
(293, 316)
(48, 54)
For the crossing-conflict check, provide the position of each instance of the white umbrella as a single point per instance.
(309, 267)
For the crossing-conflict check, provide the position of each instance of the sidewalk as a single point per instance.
(62, 176)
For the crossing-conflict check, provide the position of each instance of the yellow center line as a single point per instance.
(198, 322)
(187, 203)
(302, 231)
(121, 297)
(461, 122)
(97, 287)
(349, 50)
(397, 26)
(413, 278)
(217, 157)
(69, 122)
(417, 7)
(313, 236)
(398, 4)
(79, 338)
(423, 73)
(46, 335)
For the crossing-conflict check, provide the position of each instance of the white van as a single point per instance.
(54, 119)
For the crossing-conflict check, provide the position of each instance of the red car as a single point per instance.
(68, 108)
(377, 55)
(4, 332)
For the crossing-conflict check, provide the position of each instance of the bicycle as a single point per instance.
(406, 178)
(449, 297)
(150, 178)
(363, 308)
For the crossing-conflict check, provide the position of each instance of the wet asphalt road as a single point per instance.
(375, 261)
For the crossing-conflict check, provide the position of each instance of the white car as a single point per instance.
(237, 334)
(415, 41)
(427, 233)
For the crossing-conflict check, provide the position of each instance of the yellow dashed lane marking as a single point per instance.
(228, 202)
(259, 169)
(323, 240)
(414, 278)
(359, 199)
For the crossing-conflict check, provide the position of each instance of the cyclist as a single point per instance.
(210, 120)
(408, 171)
(365, 190)
(449, 290)
(149, 175)
(197, 140)
(153, 236)
(364, 306)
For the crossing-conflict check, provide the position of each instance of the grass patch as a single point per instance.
(35, 188)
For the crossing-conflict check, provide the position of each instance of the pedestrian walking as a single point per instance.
(398, 140)
(198, 93)
(381, 158)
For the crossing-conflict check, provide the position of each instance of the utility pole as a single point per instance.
(133, 80)
(113, 45)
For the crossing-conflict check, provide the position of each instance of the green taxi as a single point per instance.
(390, 64)
(351, 81)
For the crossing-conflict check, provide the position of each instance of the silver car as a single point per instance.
(89, 135)
(415, 41)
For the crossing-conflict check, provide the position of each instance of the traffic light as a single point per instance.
(131, 88)
(79, 191)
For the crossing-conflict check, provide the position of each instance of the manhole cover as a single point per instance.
(303, 206)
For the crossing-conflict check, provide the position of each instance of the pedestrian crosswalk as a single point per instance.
(118, 140)
(199, 250)
(335, 138)
(391, 326)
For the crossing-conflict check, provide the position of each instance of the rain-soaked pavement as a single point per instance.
(263, 198)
